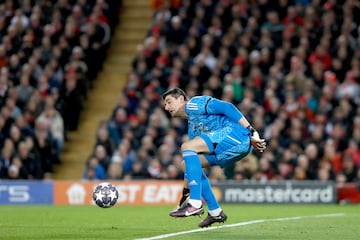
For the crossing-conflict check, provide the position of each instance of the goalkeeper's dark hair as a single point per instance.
(175, 92)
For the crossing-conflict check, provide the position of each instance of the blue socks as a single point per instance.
(198, 182)
(193, 172)
(208, 194)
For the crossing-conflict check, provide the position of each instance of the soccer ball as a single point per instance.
(105, 195)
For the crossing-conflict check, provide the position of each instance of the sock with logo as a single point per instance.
(193, 173)
(209, 196)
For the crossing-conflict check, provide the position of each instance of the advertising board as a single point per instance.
(291, 192)
(26, 192)
(130, 192)
(152, 192)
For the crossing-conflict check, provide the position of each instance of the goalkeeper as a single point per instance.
(219, 134)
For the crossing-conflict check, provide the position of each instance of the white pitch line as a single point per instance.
(241, 224)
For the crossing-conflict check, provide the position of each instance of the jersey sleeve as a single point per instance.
(216, 106)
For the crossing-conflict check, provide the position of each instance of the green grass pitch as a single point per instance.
(152, 222)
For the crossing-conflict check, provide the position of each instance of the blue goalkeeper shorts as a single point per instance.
(227, 146)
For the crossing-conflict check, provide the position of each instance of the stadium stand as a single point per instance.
(134, 19)
(50, 54)
(292, 67)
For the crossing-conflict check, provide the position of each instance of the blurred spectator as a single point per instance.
(115, 171)
(17, 170)
(138, 171)
(154, 168)
(349, 169)
(55, 124)
(31, 162)
(216, 174)
(94, 170)
(24, 91)
(44, 145)
(5, 162)
(104, 139)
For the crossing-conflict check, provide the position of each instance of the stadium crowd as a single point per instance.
(292, 67)
(50, 53)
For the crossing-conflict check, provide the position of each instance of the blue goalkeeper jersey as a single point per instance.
(207, 115)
